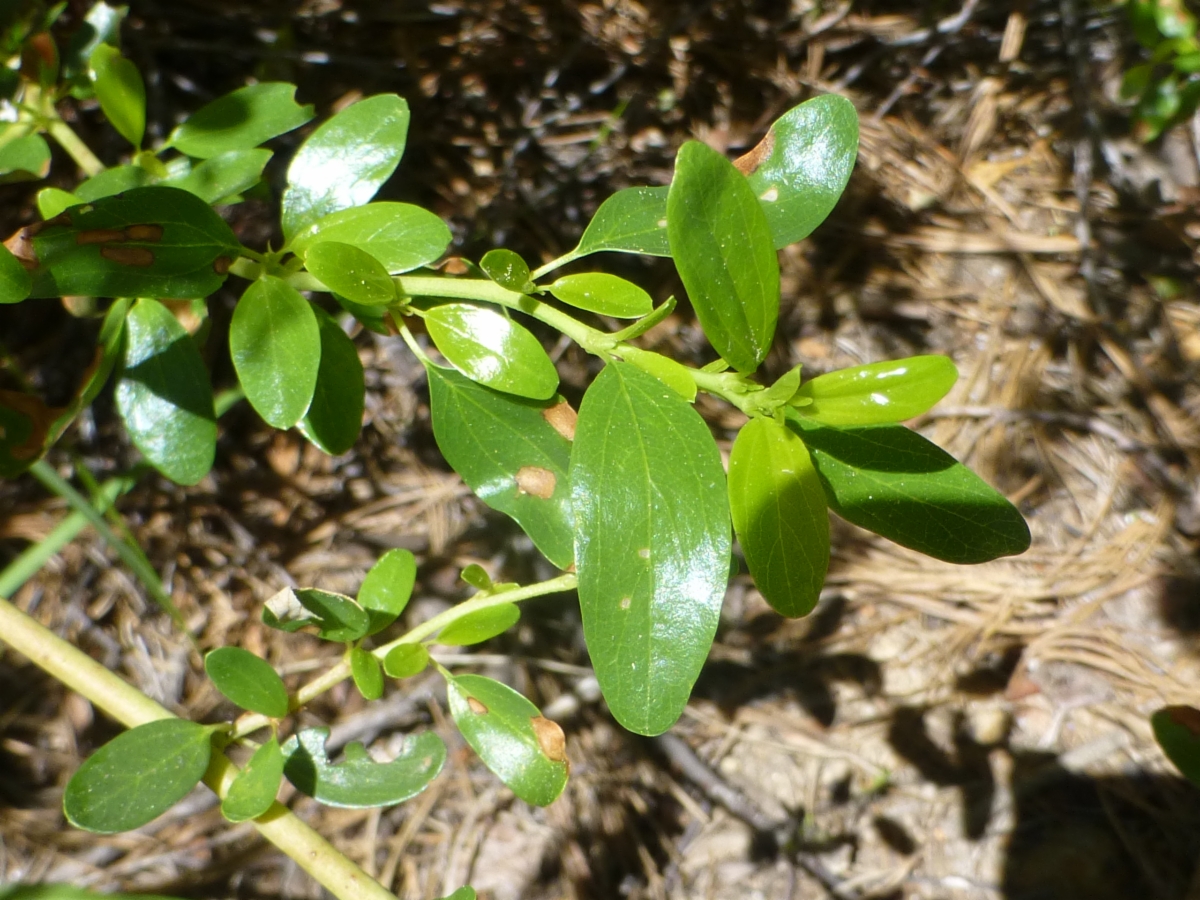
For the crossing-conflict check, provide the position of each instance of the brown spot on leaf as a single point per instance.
(100, 236)
(550, 738)
(562, 419)
(129, 256)
(455, 265)
(39, 56)
(1187, 716)
(185, 313)
(476, 706)
(40, 416)
(536, 481)
(221, 265)
(151, 234)
(20, 245)
(748, 163)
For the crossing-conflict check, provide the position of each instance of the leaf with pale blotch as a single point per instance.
(254, 788)
(240, 120)
(652, 543)
(525, 750)
(359, 782)
(779, 514)
(892, 481)
(345, 161)
(165, 396)
(137, 776)
(630, 221)
(489, 438)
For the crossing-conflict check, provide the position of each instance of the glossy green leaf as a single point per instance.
(223, 175)
(525, 750)
(24, 158)
(353, 273)
(779, 515)
(146, 242)
(51, 201)
(335, 616)
(275, 342)
(878, 392)
(345, 161)
(401, 236)
(652, 543)
(406, 660)
(799, 170)
(892, 481)
(387, 588)
(463, 893)
(722, 247)
(15, 280)
(479, 626)
(507, 269)
(240, 120)
(121, 92)
(101, 24)
(367, 673)
(605, 294)
(334, 417)
(477, 577)
(137, 776)
(165, 396)
(492, 349)
(247, 681)
(113, 181)
(630, 221)
(254, 788)
(675, 375)
(784, 389)
(1177, 730)
(360, 782)
(511, 454)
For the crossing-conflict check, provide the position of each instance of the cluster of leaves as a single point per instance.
(628, 492)
(1166, 88)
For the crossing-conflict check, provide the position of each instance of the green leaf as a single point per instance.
(353, 273)
(51, 201)
(511, 454)
(493, 350)
(254, 788)
(892, 481)
(878, 392)
(525, 750)
(605, 294)
(102, 24)
(240, 120)
(630, 221)
(137, 776)
(1177, 730)
(799, 170)
(722, 247)
(784, 389)
(779, 515)
(223, 175)
(507, 269)
(652, 543)
(477, 577)
(387, 588)
(15, 280)
(345, 161)
(275, 342)
(147, 242)
(334, 417)
(335, 616)
(463, 893)
(406, 660)
(367, 673)
(113, 181)
(373, 318)
(248, 681)
(164, 394)
(401, 236)
(67, 892)
(112, 330)
(676, 376)
(479, 626)
(121, 92)
(360, 782)
(24, 158)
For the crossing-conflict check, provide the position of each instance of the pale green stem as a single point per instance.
(131, 707)
(556, 264)
(76, 148)
(341, 671)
